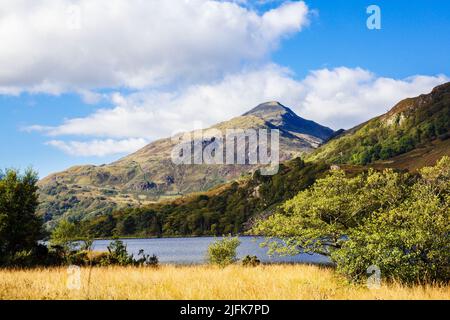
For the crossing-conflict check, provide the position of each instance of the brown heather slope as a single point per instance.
(423, 156)
(149, 175)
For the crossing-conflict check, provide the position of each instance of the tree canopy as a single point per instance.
(396, 221)
(20, 228)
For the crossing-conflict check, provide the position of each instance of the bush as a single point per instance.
(118, 255)
(250, 261)
(223, 252)
(409, 243)
(64, 235)
(148, 260)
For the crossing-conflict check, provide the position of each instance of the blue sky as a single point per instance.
(61, 109)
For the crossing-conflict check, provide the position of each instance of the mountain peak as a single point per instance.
(284, 118)
(267, 107)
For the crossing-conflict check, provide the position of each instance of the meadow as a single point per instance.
(263, 282)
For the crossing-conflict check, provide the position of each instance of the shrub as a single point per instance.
(64, 235)
(250, 261)
(146, 259)
(223, 252)
(118, 255)
(409, 242)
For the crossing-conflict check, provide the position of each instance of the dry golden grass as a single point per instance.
(202, 282)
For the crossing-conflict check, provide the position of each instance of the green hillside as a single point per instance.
(412, 123)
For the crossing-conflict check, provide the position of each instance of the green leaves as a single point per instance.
(64, 234)
(320, 217)
(223, 252)
(409, 242)
(387, 219)
(20, 228)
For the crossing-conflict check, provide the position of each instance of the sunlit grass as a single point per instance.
(202, 282)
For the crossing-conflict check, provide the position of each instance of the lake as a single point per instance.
(193, 250)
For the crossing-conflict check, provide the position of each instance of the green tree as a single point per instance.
(318, 219)
(127, 226)
(65, 234)
(20, 228)
(223, 252)
(409, 242)
(394, 221)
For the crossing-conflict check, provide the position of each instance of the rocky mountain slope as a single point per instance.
(149, 174)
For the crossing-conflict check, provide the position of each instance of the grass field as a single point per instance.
(202, 282)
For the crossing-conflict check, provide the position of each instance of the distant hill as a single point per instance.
(414, 130)
(148, 175)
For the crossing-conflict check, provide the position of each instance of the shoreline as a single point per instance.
(173, 237)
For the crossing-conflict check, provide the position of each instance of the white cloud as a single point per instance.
(344, 97)
(153, 114)
(190, 61)
(98, 148)
(53, 46)
(339, 98)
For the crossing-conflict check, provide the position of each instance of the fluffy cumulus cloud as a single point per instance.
(54, 46)
(339, 98)
(344, 97)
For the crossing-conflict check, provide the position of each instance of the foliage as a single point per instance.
(223, 252)
(317, 220)
(397, 222)
(118, 255)
(250, 261)
(20, 228)
(146, 259)
(64, 235)
(409, 242)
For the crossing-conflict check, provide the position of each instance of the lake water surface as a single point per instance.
(193, 250)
